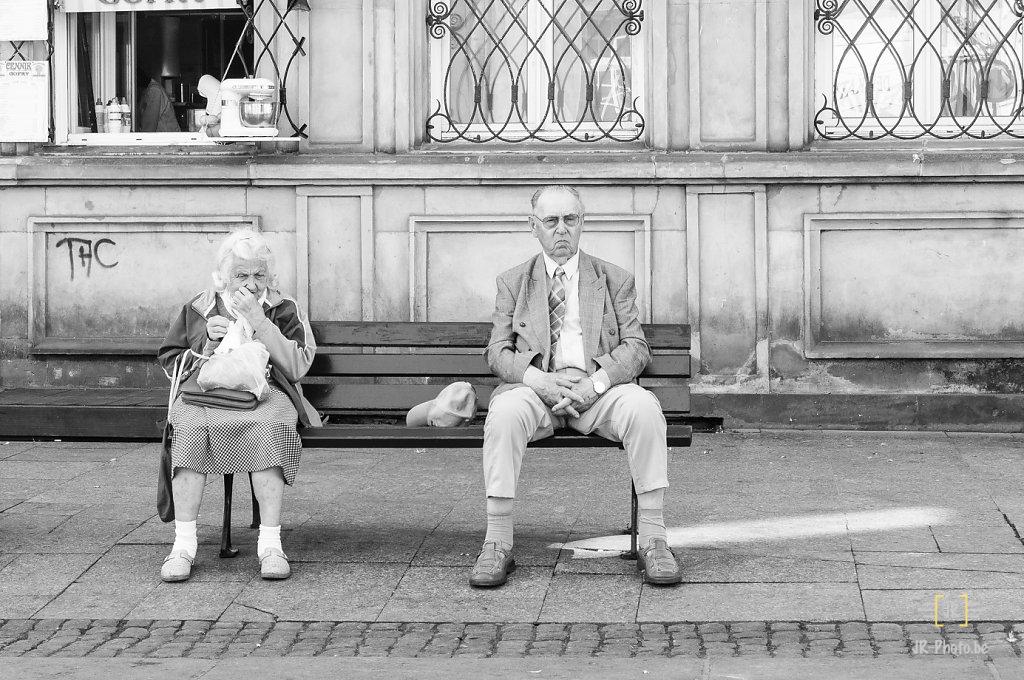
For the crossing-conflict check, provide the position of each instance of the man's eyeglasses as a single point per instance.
(570, 220)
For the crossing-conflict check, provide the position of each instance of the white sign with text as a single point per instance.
(23, 20)
(25, 99)
(145, 5)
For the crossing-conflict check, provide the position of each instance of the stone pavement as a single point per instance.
(837, 546)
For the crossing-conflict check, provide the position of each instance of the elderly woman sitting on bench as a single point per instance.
(262, 441)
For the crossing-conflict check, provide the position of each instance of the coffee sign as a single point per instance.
(145, 5)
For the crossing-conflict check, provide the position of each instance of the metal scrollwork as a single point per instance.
(541, 70)
(825, 15)
(437, 19)
(905, 71)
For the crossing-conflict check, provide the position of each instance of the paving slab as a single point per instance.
(751, 602)
(973, 538)
(9, 502)
(193, 599)
(751, 565)
(326, 591)
(423, 588)
(82, 534)
(598, 598)
(917, 539)
(36, 579)
(96, 600)
(9, 449)
(20, 487)
(904, 570)
(319, 541)
(459, 544)
(76, 454)
(12, 468)
(984, 604)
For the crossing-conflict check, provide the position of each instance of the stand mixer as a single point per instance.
(250, 108)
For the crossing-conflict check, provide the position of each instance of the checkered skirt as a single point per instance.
(221, 441)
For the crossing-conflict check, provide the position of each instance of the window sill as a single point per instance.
(169, 139)
(993, 145)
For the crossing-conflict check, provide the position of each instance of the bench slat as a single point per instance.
(331, 396)
(92, 422)
(376, 436)
(454, 334)
(452, 365)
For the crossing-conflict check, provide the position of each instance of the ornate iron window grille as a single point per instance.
(24, 50)
(905, 69)
(547, 70)
(263, 47)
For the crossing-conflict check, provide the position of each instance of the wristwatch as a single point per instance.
(599, 386)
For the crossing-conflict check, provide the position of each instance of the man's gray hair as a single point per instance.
(554, 187)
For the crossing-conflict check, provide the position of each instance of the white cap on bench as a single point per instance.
(455, 405)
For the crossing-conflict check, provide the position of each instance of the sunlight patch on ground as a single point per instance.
(777, 529)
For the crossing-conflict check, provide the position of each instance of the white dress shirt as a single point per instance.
(569, 350)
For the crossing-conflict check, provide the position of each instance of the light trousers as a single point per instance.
(625, 413)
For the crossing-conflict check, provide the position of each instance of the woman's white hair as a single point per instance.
(243, 244)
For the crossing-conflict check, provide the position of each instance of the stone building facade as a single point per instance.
(828, 282)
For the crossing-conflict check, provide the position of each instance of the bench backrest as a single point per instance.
(346, 379)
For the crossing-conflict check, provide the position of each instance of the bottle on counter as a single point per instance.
(101, 116)
(126, 116)
(114, 116)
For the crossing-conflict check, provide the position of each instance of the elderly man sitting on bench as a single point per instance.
(568, 345)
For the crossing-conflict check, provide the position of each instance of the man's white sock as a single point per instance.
(651, 516)
(270, 537)
(499, 521)
(185, 538)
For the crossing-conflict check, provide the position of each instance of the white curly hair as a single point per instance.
(243, 244)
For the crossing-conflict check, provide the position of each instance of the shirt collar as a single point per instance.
(571, 266)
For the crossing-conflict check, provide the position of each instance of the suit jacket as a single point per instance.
(612, 336)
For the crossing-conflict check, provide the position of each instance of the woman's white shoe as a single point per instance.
(274, 564)
(177, 567)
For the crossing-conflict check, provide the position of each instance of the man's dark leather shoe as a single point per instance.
(492, 567)
(659, 564)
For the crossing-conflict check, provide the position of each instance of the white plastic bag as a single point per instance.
(238, 333)
(242, 368)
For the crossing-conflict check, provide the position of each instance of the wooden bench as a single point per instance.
(361, 380)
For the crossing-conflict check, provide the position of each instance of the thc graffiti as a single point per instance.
(87, 252)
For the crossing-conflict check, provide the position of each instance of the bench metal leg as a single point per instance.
(255, 506)
(225, 530)
(632, 529)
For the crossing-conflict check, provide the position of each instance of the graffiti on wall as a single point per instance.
(83, 252)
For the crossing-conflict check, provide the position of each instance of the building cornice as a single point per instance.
(820, 166)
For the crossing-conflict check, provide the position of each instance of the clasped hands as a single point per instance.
(567, 395)
(245, 304)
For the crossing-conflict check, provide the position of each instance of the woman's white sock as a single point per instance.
(185, 538)
(270, 537)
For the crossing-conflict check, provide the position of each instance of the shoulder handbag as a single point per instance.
(220, 397)
(164, 491)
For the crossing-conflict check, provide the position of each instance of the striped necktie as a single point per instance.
(556, 308)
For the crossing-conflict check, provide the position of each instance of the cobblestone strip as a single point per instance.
(231, 639)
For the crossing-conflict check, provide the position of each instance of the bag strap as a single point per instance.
(176, 376)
